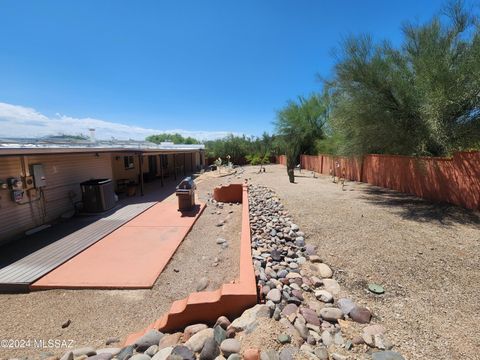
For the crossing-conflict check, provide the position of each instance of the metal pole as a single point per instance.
(184, 164)
(191, 162)
(175, 166)
(161, 169)
(140, 159)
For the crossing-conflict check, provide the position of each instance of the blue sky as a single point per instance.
(208, 67)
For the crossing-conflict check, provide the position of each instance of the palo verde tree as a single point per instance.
(422, 98)
(300, 123)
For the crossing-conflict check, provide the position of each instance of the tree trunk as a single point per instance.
(291, 168)
(291, 175)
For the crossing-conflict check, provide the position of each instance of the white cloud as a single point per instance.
(19, 121)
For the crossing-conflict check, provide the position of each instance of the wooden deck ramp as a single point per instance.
(18, 276)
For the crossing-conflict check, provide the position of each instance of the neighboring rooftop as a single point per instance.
(56, 144)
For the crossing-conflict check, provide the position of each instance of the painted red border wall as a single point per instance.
(454, 180)
(282, 160)
(230, 300)
(228, 193)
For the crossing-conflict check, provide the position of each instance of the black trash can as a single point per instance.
(186, 194)
(97, 195)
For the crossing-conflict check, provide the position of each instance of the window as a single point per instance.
(128, 162)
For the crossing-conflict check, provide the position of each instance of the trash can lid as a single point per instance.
(186, 183)
(96, 182)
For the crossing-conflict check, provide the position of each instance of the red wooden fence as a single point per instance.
(454, 180)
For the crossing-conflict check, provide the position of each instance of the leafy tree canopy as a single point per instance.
(422, 98)
(175, 138)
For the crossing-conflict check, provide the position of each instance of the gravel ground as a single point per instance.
(425, 255)
(97, 315)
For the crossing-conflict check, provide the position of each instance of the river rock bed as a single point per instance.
(302, 295)
(304, 314)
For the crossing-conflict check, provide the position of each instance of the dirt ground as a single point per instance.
(427, 257)
(97, 315)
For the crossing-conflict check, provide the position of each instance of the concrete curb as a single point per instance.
(231, 299)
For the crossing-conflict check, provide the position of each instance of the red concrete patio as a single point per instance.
(133, 256)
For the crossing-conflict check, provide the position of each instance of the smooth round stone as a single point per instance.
(196, 342)
(310, 249)
(373, 330)
(288, 353)
(210, 350)
(125, 353)
(293, 265)
(152, 350)
(163, 354)
(300, 241)
(230, 346)
(301, 327)
(219, 334)
(140, 357)
(358, 340)
(192, 329)
(321, 352)
(111, 350)
(276, 255)
(251, 354)
(361, 315)
(298, 294)
(274, 295)
(184, 352)
(331, 286)
(103, 356)
(88, 351)
(324, 296)
(323, 270)
(331, 314)
(265, 290)
(293, 275)
(277, 314)
(295, 286)
(310, 316)
(284, 338)
(327, 338)
(223, 322)
(311, 340)
(270, 272)
(301, 260)
(346, 305)
(387, 355)
(169, 340)
(293, 300)
(338, 339)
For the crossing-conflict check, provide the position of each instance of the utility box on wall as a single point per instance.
(39, 176)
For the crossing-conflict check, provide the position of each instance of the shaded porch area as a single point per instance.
(24, 261)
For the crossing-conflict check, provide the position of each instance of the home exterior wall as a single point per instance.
(63, 173)
(118, 167)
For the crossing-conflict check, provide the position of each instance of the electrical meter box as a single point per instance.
(17, 195)
(39, 178)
